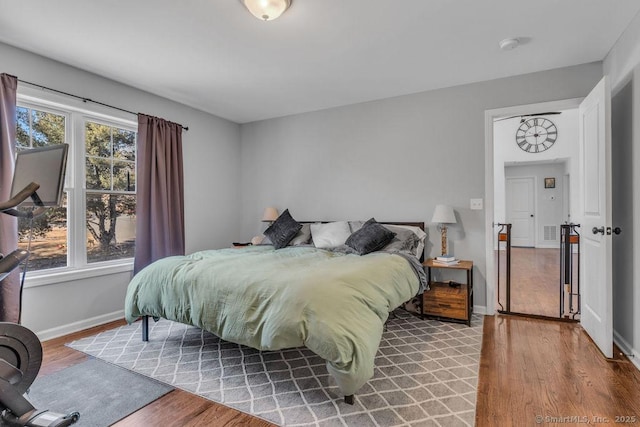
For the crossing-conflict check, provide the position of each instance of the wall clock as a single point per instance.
(536, 135)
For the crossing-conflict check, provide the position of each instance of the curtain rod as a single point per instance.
(83, 99)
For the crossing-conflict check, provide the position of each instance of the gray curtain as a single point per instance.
(160, 192)
(10, 286)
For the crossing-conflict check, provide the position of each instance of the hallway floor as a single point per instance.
(535, 281)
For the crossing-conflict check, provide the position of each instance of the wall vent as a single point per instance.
(550, 233)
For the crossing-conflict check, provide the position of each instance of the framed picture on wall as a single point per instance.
(549, 183)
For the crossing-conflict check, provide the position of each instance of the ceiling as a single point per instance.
(215, 56)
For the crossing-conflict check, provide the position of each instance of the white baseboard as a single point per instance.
(59, 331)
(480, 309)
(627, 349)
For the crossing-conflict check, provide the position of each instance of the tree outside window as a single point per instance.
(110, 173)
(104, 210)
(49, 243)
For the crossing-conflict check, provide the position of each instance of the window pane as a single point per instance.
(49, 244)
(98, 174)
(111, 227)
(22, 130)
(124, 144)
(48, 129)
(124, 176)
(98, 140)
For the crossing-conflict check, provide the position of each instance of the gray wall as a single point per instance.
(211, 157)
(622, 65)
(394, 159)
(622, 181)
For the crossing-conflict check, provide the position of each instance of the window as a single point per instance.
(96, 222)
(37, 128)
(110, 196)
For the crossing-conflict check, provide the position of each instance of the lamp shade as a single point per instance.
(443, 214)
(270, 214)
(267, 10)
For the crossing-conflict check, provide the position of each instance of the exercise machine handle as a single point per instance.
(9, 206)
(23, 195)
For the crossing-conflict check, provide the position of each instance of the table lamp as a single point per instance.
(443, 215)
(269, 215)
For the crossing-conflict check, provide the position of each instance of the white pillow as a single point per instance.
(330, 235)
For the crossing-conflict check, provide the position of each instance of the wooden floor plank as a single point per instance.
(531, 367)
(180, 408)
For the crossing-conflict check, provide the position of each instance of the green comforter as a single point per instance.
(332, 303)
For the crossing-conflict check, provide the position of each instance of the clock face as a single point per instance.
(536, 135)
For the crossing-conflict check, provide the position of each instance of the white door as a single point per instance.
(595, 208)
(520, 210)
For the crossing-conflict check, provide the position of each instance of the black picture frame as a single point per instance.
(549, 183)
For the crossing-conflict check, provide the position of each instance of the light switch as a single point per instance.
(475, 204)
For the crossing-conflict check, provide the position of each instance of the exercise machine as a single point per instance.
(20, 348)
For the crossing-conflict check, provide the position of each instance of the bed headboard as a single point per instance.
(412, 224)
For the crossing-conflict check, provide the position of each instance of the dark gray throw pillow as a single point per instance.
(370, 238)
(283, 230)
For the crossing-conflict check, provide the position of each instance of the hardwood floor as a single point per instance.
(528, 367)
(546, 368)
(535, 281)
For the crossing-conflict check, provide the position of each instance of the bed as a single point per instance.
(332, 301)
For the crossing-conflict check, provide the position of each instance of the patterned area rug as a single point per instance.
(426, 373)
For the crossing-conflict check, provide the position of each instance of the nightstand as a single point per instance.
(447, 302)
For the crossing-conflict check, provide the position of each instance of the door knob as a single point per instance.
(596, 230)
(531, 215)
(617, 230)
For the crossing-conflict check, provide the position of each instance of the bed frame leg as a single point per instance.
(145, 328)
(349, 400)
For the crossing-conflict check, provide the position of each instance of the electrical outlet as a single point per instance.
(475, 204)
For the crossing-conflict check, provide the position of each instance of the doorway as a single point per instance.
(532, 190)
(594, 210)
(535, 201)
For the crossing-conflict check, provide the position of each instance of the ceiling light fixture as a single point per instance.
(267, 10)
(509, 44)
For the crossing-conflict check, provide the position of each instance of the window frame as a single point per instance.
(76, 114)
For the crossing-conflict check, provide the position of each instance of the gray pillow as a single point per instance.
(355, 225)
(404, 240)
(303, 237)
(283, 230)
(408, 239)
(370, 237)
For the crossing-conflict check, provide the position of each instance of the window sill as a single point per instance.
(44, 278)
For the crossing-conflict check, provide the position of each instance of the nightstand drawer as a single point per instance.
(444, 300)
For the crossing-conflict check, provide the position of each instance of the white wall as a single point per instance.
(394, 159)
(211, 158)
(506, 151)
(622, 64)
(547, 201)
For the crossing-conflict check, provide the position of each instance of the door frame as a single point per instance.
(534, 190)
(490, 230)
